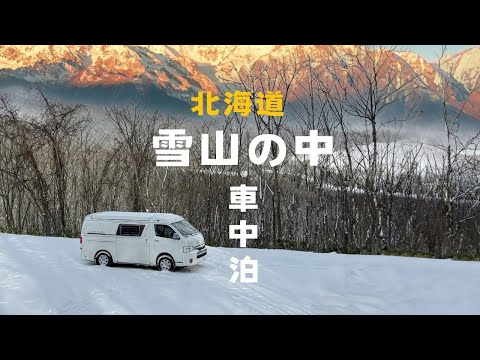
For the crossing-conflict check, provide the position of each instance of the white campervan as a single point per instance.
(153, 239)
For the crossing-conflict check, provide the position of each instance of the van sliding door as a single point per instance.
(132, 244)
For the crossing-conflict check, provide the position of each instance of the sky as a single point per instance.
(430, 52)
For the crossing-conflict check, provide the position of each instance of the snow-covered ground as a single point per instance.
(40, 275)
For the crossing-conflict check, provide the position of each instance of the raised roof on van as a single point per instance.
(136, 216)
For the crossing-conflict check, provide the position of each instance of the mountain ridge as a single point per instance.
(180, 71)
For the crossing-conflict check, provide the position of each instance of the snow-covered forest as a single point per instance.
(377, 193)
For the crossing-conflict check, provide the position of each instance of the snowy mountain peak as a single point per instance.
(179, 71)
(466, 67)
(106, 65)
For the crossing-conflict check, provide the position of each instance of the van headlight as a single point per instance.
(187, 249)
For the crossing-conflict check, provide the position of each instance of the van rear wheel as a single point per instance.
(165, 263)
(104, 260)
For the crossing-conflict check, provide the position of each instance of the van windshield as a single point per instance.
(185, 228)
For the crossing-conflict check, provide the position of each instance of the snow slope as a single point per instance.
(40, 275)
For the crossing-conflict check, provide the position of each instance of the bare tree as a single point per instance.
(263, 76)
(134, 129)
(456, 150)
(368, 85)
(44, 144)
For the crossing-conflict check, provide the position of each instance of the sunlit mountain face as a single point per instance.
(167, 76)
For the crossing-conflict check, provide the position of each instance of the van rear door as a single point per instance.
(132, 243)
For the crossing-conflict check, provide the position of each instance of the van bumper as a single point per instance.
(194, 257)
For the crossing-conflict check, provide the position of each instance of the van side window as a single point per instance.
(130, 230)
(164, 231)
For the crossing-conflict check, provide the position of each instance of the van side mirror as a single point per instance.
(176, 236)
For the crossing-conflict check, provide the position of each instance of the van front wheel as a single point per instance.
(165, 263)
(104, 260)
